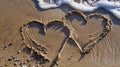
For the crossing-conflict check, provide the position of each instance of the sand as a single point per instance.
(14, 14)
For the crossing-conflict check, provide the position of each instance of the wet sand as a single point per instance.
(14, 14)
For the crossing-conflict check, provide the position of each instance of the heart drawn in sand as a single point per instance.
(89, 27)
(46, 39)
(49, 39)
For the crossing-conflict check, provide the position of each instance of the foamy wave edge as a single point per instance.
(111, 6)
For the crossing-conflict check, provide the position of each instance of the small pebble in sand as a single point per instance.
(22, 63)
(19, 52)
(10, 44)
(29, 65)
(23, 66)
(21, 30)
(17, 59)
(15, 63)
(13, 57)
(69, 58)
(4, 47)
(28, 60)
(10, 59)
(95, 42)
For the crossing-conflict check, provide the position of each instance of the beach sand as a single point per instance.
(13, 51)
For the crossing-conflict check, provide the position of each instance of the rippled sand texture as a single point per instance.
(16, 13)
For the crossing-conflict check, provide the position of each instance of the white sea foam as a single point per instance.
(85, 6)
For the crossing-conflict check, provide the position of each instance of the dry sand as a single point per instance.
(13, 52)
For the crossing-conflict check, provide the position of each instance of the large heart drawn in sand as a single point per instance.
(48, 39)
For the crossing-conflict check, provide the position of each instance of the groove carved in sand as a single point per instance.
(42, 50)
